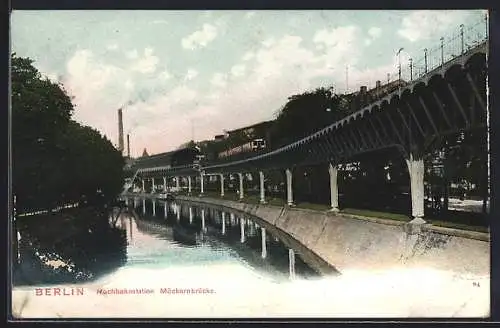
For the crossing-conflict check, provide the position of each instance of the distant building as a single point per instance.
(144, 153)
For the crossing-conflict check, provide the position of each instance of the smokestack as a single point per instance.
(120, 131)
(128, 145)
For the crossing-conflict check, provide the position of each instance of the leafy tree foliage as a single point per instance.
(55, 159)
(306, 113)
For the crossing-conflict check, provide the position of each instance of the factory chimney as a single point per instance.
(128, 145)
(120, 131)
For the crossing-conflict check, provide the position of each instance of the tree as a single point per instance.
(306, 113)
(55, 160)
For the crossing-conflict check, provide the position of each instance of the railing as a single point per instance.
(450, 47)
(45, 211)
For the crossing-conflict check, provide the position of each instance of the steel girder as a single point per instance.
(449, 99)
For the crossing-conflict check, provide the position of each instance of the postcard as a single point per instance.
(241, 164)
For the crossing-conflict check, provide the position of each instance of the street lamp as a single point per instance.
(442, 50)
(462, 36)
(425, 59)
(399, 69)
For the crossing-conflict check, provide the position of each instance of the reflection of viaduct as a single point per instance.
(449, 99)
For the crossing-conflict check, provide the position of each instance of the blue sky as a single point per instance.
(178, 71)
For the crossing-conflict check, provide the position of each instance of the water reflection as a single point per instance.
(214, 231)
(156, 234)
(74, 246)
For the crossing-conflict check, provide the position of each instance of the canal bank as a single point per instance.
(242, 284)
(353, 243)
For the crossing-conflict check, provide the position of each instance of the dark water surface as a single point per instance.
(158, 235)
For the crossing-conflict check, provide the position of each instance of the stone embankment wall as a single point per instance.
(338, 242)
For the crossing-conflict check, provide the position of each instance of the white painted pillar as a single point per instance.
(165, 211)
(203, 220)
(164, 184)
(135, 203)
(152, 185)
(262, 190)
(242, 228)
(221, 176)
(416, 169)
(190, 215)
(251, 231)
(178, 210)
(289, 192)
(189, 185)
(177, 183)
(223, 223)
(144, 206)
(203, 227)
(201, 184)
(143, 186)
(334, 190)
(130, 228)
(264, 246)
(291, 262)
(240, 176)
(154, 207)
(232, 219)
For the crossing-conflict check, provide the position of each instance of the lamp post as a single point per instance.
(425, 59)
(486, 25)
(411, 69)
(399, 70)
(462, 37)
(442, 50)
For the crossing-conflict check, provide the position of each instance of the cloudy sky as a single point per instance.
(185, 74)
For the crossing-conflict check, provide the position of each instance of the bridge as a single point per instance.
(449, 98)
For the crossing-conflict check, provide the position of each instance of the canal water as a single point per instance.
(168, 234)
(180, 260)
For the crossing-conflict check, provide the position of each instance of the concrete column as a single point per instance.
(165, 184)
(262, 190)
(223, 223)
(143, 186)
(242, 228)
(221, 176)
(177, 183)
(130, 228)
(154, 207)
(203, 219)
(334, 190)
(231, 219)
(178, 212)
(144, 206)
(264, 246)
(291, 262)
(201, 184)
(416, 170)
(252, 229)
(240, 176)
(289, 192)
(135, 203)
(189, 185)
(152, 185)
(190, 215)
(165, 211)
